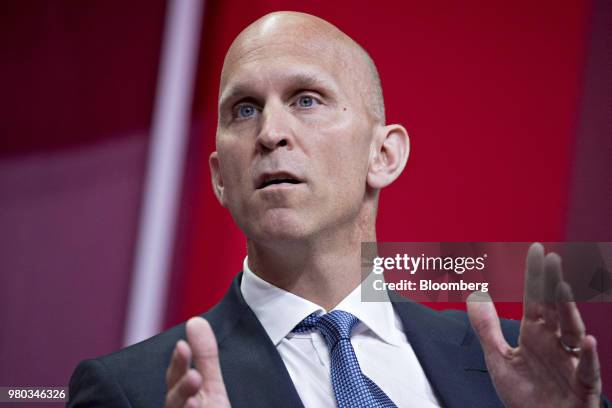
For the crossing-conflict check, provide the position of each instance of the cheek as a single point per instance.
(234, 169)
(344, 175)
(346, 151)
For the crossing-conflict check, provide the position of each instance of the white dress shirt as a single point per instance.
(380, 344)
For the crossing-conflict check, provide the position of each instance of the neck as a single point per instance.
(323, 269)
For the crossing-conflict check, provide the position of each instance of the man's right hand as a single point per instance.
(200, 387)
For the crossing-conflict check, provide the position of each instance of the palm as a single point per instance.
(540, 372)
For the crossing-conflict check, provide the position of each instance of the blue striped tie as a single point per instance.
(351, 386)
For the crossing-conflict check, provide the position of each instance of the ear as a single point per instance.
(390, 150)
(215, 176)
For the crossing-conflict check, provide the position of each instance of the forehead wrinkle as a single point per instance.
(240, 54)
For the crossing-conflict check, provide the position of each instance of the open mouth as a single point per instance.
(277, 179)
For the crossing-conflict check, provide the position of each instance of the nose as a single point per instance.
(276, 130)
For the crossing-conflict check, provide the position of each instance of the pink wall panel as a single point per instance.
(78, 80)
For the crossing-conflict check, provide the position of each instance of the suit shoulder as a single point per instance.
(149, 351)
(91, 385)
(135, 373)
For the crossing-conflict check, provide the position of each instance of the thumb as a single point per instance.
(205, 355)
(485, 322)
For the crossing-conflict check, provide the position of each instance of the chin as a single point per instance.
(280, 225)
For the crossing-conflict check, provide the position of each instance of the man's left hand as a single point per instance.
(555, 363)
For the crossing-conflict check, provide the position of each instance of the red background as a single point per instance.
(488, 93)
(507, 104)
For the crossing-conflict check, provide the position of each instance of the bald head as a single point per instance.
(287, 33)
(302, 144)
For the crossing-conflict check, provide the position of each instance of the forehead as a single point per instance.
(279, 75)
(266, 55)
(263, 62)
(276, 37)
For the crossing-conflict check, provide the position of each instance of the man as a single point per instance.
(302, 153)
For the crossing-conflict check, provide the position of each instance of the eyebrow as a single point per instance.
(297, 81)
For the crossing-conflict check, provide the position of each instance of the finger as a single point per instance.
(186, 387)
(587, 372)
(553, 276)
(485, 322)
(532, 303)
(205, 354)
(570, 321)
(179, 363)
(194, 402)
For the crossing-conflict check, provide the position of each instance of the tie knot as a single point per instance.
(333, 326)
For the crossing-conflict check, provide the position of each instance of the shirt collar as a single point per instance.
(377, 316)
(279, 311)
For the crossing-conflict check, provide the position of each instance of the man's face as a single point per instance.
(293, 139)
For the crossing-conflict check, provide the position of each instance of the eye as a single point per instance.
(244, 110)
(306, 101)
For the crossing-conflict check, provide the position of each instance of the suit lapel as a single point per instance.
(450, 356)
(253, 370)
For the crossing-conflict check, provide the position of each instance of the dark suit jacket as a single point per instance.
(255, 375)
